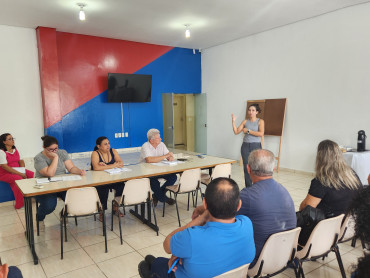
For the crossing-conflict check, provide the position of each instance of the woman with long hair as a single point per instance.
(253, 129)
(102, 158)
(10, 167)
(335, 183)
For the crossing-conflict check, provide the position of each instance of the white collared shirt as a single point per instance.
(147, 150)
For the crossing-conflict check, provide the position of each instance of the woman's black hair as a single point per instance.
(2, 139)
(98, 141)
(48, 141)
(256, 105)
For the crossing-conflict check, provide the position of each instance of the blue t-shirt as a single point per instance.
(214, 248)
(270, 208)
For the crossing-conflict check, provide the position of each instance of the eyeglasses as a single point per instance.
(10, 139)
(52, 150)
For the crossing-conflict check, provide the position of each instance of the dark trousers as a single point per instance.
(14, 272)
(246, 149)
(47, 204)
(160, 191)
(159, 268)
(103, 192)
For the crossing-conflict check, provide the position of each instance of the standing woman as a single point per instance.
(48, 163)
(9, 158)
(254, 129)
(102, 158)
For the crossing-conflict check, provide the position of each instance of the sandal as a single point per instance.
(116, 210)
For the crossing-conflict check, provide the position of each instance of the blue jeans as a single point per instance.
(160, 191)
(159, 268)
(47, 204)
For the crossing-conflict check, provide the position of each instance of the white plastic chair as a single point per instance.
(136, 192)
(239, 272)
(278, 251)
(323, 240)
(220, 171)
(189, 183)
(80, 202)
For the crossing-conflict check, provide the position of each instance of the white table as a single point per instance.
(360, 163)
(101, 178)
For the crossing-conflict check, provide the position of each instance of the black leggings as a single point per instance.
(246, 149)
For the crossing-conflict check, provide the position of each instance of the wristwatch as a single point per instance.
(248, 131)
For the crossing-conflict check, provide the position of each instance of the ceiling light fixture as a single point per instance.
(187, 31)
(82, 12)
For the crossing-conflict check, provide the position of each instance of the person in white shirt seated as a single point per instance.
(155, 151)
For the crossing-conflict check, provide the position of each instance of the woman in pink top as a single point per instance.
(9, 161)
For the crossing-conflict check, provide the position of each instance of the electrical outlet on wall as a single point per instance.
(119, 135)
(116, 135)
(123, 134)
(126, 134)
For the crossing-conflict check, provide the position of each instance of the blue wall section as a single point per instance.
(177, 71)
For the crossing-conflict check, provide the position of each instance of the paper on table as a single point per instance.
(46, 180)
(167, 163)
(71, 178)
(117, 170)
(20, 169)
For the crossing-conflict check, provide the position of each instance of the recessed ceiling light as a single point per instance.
(82, 15)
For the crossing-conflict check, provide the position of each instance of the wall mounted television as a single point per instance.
(129, 87)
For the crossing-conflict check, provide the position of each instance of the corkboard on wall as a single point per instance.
(273, 113)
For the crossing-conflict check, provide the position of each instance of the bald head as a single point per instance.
(261, 163)
(222, 198)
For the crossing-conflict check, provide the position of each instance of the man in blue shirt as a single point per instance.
(213, 243)
(267, 203)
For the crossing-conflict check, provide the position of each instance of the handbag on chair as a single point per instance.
(307, 219)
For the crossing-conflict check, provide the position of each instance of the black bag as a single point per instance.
(307, 219)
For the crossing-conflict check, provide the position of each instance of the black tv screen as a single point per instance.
(129, 87)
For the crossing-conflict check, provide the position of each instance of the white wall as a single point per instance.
(321, 65)
(21, 107)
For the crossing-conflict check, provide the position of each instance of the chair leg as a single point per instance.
(65, 226)
(37, 221)
(192, 197)
(111, 228)
(353, 243)
(164, 207)
(120, 228)
(155, 217)
(94, 217)
(105, 232)
(339, 259)
(177, 209)
(300, 270)
(76, 220)
(61, 238)
(188, 199)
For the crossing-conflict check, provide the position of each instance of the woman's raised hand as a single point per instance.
(233, 117)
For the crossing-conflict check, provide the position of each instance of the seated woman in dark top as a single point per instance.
(335, 184)
(102, 158)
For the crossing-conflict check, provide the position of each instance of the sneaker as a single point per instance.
(155, 200)
(144, 270)
(170, 201)
(149, 259)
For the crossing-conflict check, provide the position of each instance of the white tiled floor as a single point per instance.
(84, 252)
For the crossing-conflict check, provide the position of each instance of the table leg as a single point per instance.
(29, 227)
(141, 216)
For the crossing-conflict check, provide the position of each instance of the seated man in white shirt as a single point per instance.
(155, 151)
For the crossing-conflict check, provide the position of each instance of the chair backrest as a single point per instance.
(239, 272)
(136, 191)
(189, 180)
(347, 230)
(276, 252)
(82, 201)
(221, 171)
(322, 237)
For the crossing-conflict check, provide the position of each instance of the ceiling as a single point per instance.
(212, 22)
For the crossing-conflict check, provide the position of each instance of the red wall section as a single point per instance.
(84, 63)
(48, 64)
